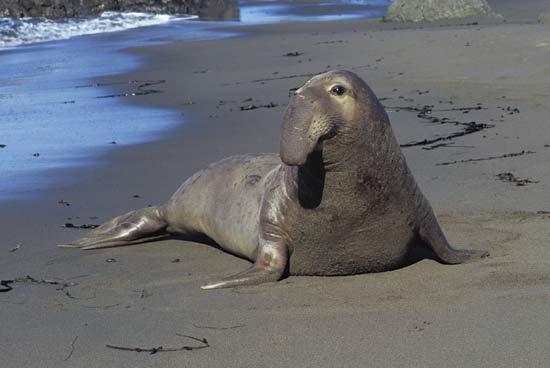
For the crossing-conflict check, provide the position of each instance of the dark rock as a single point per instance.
(432, 10)
(86, 8)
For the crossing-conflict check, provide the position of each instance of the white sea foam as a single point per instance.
(15, 32)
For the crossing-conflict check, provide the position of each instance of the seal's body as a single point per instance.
(339, 199)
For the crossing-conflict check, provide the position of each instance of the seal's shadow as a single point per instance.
(201, 239)
(311, 181)
(418, 251)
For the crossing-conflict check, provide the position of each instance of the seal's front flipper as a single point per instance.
(430, 233)
(253, 276)
(270, 266)
(134, 227)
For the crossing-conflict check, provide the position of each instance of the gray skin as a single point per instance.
(338, 200)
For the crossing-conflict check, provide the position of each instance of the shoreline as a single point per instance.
(427, 313)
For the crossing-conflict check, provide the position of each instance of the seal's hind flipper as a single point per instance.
(131, 228)
(430, 233)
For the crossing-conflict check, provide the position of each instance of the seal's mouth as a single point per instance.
(298, 139)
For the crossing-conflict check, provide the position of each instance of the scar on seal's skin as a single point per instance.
(338, 199)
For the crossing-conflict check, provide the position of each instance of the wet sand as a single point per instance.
(491, 313)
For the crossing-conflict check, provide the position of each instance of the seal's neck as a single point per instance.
(367, 148)
(350, 163)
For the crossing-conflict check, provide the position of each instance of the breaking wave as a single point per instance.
(15, 32)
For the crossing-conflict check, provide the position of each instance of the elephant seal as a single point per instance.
(338, 200)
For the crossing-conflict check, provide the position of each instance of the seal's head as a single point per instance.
(334, 106)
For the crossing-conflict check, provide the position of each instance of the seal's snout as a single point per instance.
(297, 140)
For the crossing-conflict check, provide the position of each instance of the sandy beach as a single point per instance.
(489, 186)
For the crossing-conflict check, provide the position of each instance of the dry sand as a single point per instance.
(492, 313)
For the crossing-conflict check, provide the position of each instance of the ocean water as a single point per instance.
(259, 12)
(54, 116)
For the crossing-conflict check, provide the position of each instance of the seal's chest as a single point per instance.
(339, 242)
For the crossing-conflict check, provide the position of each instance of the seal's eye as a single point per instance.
(337, 90)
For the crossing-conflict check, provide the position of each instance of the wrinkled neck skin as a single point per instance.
(354, 161)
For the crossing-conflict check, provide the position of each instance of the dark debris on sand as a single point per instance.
(6, 285)
(511, 178)
(426, 112)
(70, 225)
(60, 285)
(293, 54)
(161, 349)
(506, 155)
(331, 42)
(254, 107)
(142, 87)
